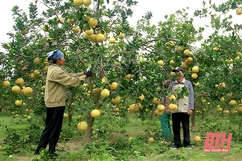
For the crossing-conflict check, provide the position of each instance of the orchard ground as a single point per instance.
(138, 59)
(133, 143)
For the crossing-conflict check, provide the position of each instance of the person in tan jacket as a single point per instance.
(55, 97)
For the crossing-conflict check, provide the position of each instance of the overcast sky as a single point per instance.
(158, 9)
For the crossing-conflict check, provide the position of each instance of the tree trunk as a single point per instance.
(70, 118)
(88, 133)
(90, 120)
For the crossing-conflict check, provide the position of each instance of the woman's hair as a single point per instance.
(52, 61)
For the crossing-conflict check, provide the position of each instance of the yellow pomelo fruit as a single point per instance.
(86, 2)
(100, 37)
(222, 85)
(172, 106)
(105, 93)
(195, 69)
(187, 52)
(171, 44)
(172, 97)
(27, 91)
(105, 80)
(116, 100)
(116, 63)
(6, 83)
(151, 139)
(220, 109)
(79, 117)
(189, 59)
(121, 35)
(93, 38)
(194, 75)
(113, 86)
(28, 117)
(128, 76)
(76, 29)
(232, 102)
(71, 20)
(160, 62)
(158, 113)
(16, 89)
(65, 115)
(130, 139)
(25, 31)
(96, 91)
(60, 19)
(133, 108)
(238, 11)
(142, 97)
(197, 138)
(45, 27)
(239, 109)
(18, 102)
(19, 81)
(222, 99)
(112, 40)
(172, 73)
(155, 100)
(226, 111)
(172, 62)
(93, 22)
(215, 49)
(78, 2)
(82, 125)
(180, 48)
(116, 110)
(87, 18)
(160, 107)
(95, 113)
(37, 61)
(89, 32)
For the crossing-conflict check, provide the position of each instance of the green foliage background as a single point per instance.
(137, 54)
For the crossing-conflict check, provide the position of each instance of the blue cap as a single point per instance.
(54, 55)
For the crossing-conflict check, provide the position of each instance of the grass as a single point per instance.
(9, 120)
(137, 150)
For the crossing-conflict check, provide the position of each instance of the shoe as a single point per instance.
(188, 147)
(173, 147)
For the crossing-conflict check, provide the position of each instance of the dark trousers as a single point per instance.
(177, 119)
(51, 132)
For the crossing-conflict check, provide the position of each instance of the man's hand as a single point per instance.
(190, 112)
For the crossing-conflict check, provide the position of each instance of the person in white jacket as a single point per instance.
(185, 107)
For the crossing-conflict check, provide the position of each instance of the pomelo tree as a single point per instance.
(128, 63)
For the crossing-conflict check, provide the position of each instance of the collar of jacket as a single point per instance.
(55, 65)
(181, 82)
